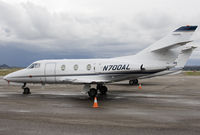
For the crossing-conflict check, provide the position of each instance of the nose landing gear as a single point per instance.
(26, 90)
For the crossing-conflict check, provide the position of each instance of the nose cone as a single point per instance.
(12, 77)
(7, 77)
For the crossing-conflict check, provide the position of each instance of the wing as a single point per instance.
(82, 80)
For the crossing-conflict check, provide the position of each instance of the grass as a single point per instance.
(4, 72)
(192, 73)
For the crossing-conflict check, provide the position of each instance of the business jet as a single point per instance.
(157, 58)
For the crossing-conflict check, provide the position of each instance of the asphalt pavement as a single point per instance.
(165, 105)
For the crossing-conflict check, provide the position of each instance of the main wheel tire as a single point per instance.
(26, 91)
(133, 82)
(99, 86)
(136, 81)
(103, 90)
(92, 93)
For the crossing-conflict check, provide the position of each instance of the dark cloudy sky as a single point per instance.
(45, 29)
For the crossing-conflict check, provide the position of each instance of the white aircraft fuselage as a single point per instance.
(162, 57)
(82, 71)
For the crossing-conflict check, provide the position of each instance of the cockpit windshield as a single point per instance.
(34, 65)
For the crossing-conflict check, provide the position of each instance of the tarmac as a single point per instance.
(165, 105)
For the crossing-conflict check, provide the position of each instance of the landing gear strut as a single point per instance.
(102, 89)
(26, 90)
(133, 82)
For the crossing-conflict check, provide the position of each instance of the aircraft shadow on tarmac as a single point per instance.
(120, 94)
(77, 97)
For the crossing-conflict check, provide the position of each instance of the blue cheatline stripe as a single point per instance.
(186, 28)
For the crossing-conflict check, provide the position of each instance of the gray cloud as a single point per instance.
(33, 28)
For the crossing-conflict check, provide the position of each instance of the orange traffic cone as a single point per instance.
(95, 105)
(140, 86)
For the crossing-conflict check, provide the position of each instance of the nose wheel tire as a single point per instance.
(92, 93)
(26, 91)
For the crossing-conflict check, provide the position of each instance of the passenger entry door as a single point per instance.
(50, 73)
(96, 67)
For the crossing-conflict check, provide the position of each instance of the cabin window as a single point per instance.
(76, 67)
(63, 67)
(34, 65)
(89, 67)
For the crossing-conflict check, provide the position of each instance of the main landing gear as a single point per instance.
(102, 89)
(133, 82)
(26, 90)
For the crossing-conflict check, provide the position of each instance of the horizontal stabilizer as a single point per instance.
(171, 46)
(189, 48)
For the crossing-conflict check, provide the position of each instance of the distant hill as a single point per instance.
(196, 68)
(4, 66)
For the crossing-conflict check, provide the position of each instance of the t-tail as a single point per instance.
(179, 37)
(165, 51)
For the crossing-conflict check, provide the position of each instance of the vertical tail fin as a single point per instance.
(163, 51)
(179, 37)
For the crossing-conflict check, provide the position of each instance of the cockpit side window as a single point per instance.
(34, 65)
(37, 65)
(31, 66)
